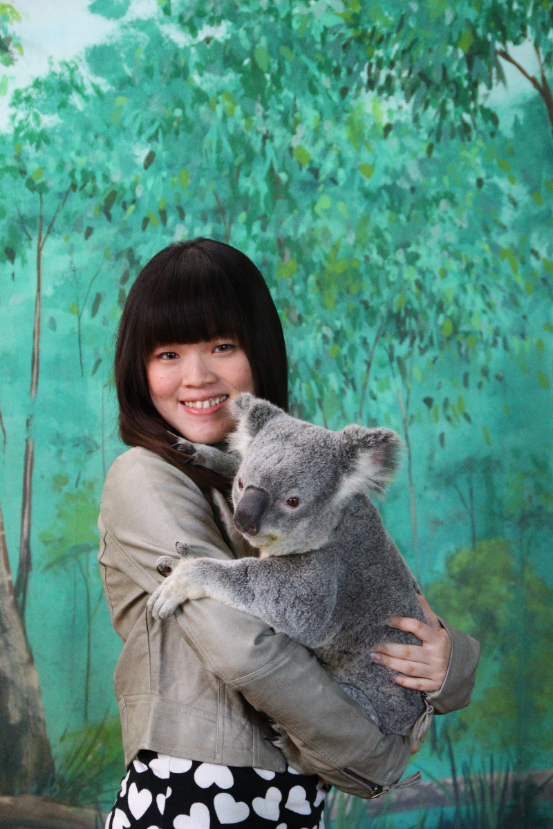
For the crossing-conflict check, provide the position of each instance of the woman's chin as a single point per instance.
(206, 429)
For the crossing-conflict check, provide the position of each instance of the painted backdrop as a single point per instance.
(389, 167)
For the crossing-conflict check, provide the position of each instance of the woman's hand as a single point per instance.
(422, 668)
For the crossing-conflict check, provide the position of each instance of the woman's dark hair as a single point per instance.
(191, 292)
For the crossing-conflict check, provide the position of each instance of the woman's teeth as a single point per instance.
(205, 404)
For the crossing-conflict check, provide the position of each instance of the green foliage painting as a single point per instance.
(389, 167)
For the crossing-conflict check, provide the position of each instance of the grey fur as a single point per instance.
(328, 574)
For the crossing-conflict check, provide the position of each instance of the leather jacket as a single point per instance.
(201, 685)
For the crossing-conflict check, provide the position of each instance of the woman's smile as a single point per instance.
(191, 385)
(200, 406)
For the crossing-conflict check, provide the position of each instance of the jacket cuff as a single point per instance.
(457, 686)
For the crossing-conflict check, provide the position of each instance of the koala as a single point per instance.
(327, 573)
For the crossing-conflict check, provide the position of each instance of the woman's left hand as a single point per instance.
(422, 668)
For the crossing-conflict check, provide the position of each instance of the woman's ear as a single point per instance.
(251, 413)
(374, 457)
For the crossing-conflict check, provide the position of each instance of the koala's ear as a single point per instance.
(251, 413)
(374, 455)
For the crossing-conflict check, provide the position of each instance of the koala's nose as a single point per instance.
(250, 509)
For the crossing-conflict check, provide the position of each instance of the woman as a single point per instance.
(197, 692)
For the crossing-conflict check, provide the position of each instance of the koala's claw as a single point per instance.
(188, 448)
(178, 587)
(162, 604)
(165, 565)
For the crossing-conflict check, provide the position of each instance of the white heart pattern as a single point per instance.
(160, 800)
(297, 801)
(207, 774)
(266, 775)
(120, 820)
(160, 766)
(268, 806)
(290, 770)
(179, 766)
(282, 826)
(124, 782)
(229, 810)
(197, 819)
(140, 767)
(320, 797)
(138, 801)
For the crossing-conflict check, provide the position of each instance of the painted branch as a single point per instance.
(25, 231)
(25, 564)
(429, 795)
(56, 213)
(543, 89)
(3, 428)
(5, 569)
(368, 372)
(27, 764)
(506, 56)
(38, 812)
(412, 501)
(547, 97)
(223, 215)
(36, 323)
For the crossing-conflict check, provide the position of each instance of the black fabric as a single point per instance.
(162, 792)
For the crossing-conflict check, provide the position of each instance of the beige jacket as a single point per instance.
(201, 685)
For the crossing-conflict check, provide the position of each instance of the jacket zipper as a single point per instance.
(374, 789)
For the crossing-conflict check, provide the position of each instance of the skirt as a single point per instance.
(162, 792)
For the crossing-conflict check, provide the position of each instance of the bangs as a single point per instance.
(191, 299)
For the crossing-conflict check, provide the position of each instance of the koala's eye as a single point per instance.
(293, 502)
(240, 484)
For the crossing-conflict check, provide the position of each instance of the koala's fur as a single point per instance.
(328, 575)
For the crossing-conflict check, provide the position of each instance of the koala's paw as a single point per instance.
(293, 755)
(188, 448)
(166, 564)
(179, 587)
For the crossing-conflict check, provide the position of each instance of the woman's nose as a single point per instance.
(196, 371)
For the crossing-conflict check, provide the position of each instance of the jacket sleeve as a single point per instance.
(461, 672)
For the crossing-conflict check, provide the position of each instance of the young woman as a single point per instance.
(197, 692)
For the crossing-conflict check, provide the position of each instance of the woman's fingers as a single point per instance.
(415, 675)
(410, 653)
(433, 620)
(417, 683)
(422, 667)
(421, 630)
(406, 666)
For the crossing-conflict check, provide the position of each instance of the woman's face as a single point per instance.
(192, 385)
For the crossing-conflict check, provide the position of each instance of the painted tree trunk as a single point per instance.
(27, 764)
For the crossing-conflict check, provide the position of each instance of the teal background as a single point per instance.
(389, 169)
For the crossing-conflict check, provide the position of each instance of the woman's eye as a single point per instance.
(293, 502)
(223, 348)
(167, 355)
